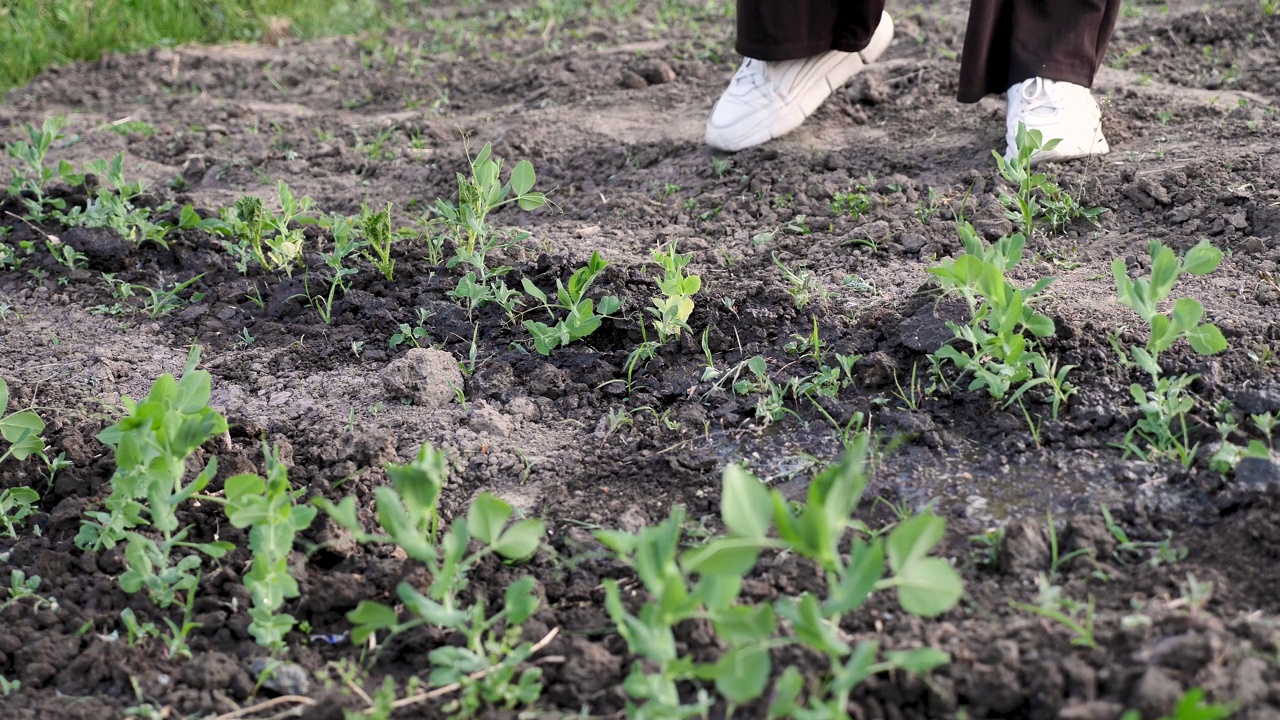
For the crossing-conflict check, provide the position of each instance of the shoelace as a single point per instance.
(1041, 96)
(752, 70)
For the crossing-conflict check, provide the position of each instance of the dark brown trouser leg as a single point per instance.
(791, 29)
(1009, 41)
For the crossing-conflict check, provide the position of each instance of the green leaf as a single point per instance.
(745, 624)
(1164, 271)
(913, 539)
(609, 305)
(368, 618)
(421, 481)
(1202, 259)
(1187, 313)
(532, 201)
(486, 516)
(26, 447)
(244, 484)
(22, 495)
(457, 659)
(622, 543)
(20, 426)
(1163, 334)
(533, 290)
(1207, 339)
(866, 567)
(809, 625)
(928, 587)
(521, 540)
(722, 557)
(857, 668)
(520, 601)
(522, 177)
(717, 592)
(1039, 325)
(786, 691)
(215, 550)
(838, 489)
(742, 673)
(4, 396)
(919, 661)
(396, 521)
(344, 515)
(545, 338)
(745, 506)
(428, 609)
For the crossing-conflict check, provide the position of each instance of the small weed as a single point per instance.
(1191, 706)
(1052, 604)
(854, 204)
(161, 302)
(23, 587)
(376, 148)
(9, 687)
(803, 287)
(132, 127)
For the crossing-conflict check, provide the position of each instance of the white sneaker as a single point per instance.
(766, 100)
(1059, 110)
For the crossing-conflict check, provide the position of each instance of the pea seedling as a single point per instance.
(582, 319)
(148, 566)
(111, 205)
(31, 175)
(1035, 188)
(480, 193)
(151, 446)
(254, 226)
(999, 354)
(1167, 403)
(671, 311)
(925, 585)
(267, 507)
(408, 515)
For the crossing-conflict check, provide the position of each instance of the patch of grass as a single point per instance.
(36, 34)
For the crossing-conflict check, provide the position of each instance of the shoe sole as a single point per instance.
(825, 79)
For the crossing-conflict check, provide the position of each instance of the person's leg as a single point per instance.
(1043, 54)
(774, 30)
(1010, 41)
(797, 52)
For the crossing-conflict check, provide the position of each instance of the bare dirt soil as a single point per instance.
(610, 113)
